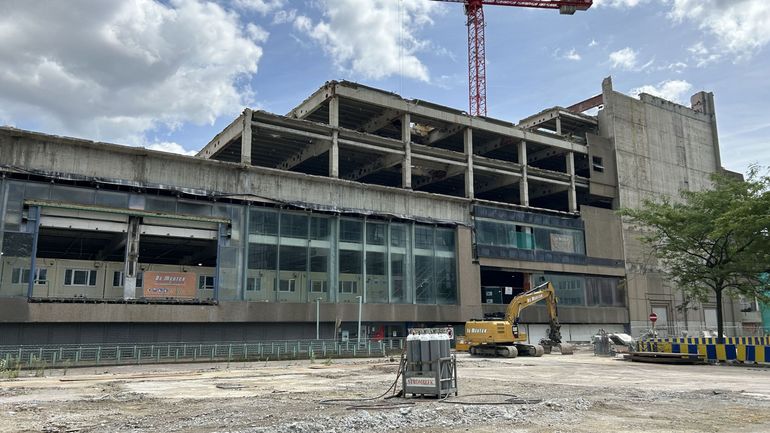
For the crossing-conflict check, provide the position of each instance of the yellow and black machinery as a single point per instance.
(502, 337)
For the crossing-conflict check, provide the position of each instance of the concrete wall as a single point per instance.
(145, 168)
(603, 233)
(660, 149)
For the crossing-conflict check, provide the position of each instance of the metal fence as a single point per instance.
(63, 356)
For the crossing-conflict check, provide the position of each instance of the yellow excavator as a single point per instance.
(496, 337)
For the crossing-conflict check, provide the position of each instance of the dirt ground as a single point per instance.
(579, 393)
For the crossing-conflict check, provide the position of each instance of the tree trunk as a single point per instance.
(720, 320)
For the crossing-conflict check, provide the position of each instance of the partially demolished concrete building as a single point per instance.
(356, 202)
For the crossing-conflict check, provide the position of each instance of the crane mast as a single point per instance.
(477, 65)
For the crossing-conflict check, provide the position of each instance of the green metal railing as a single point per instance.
(62, 356)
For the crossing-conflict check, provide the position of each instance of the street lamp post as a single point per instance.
(360, 303)
(317, 318)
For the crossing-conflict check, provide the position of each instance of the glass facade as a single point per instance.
(339, 259)
(529, 237)
(264, 254)
(590, 291)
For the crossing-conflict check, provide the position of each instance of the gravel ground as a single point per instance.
(570, 394)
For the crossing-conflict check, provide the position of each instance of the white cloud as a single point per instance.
(618, 3)
(261, 6)
(593, 43)
(740, 26)
(114, 70)
(624, 59)
(572, 55)
(171, 147)
(702, 55)
(373, 38)
(670, 90)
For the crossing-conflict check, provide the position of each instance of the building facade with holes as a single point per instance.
(356, 203)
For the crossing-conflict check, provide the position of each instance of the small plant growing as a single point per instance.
(39, 365)
(66, 365)
(328, 362)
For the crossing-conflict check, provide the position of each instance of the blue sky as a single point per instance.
(169, 75)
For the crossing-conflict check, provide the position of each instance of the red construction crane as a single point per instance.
(477, 69)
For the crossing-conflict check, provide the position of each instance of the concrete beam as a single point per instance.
(313, 103)
(546, 190)
(439, 134)
(543, 154)
(468, 147)
(389, 100)
(387, 117)
(246, 137)
(406, 139)
(334, 149)
(449, 173)
(491, 145)
(316, 148)
(571, 193)
(524, 184)
(220, 141)
(381, 163)
(497, 183)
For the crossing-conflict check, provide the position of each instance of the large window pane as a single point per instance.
(263, 222)
(398, 278)
(319, 273)
(294, 225)
(261, 274)
(350, 276)
(446, 280)
(376, 278)
(319, 228)
(375, 233)
(424, 280)
(292, 276)
(351, 231)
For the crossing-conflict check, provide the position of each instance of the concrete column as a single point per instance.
(571, 194)
(468, 142)
(334, 150)
(558, 125)
(523, 184)
(246, 138)
(406, 138)
(132, 258)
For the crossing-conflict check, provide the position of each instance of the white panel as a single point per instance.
(177, 232)
(171, 222)
(82, 214)
(82, 224)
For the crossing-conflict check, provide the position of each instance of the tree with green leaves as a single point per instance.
(712, 242)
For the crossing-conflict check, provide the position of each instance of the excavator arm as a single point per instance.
(545, 292)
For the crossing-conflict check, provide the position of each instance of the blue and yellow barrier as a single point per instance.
(741, 349)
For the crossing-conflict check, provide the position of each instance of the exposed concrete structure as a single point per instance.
(426, 214)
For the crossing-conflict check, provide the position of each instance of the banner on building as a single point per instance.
(562, 243)
(169, 285)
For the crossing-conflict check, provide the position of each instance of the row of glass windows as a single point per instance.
(513, 235)
(577, 290)
(300, 256)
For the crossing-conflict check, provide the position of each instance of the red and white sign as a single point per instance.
(653, 317)
(169, 285)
